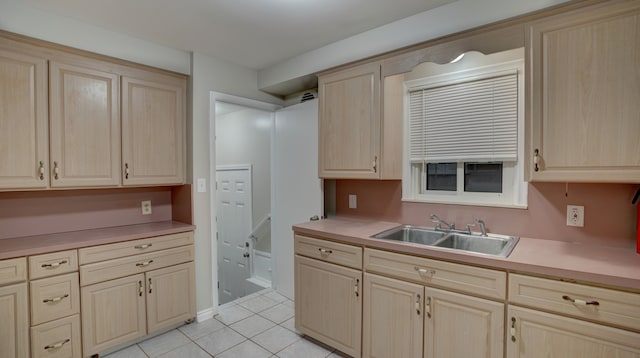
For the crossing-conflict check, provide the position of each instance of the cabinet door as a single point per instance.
(170, 296)
(349, 123)
(24, 132)
(85, 126)
(328, 302)
(534, 334)
(113, 313)
(14, 330)
(153, 120)
(452, 318)
(585, 85)
(393, 318)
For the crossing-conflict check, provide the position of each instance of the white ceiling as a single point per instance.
(255, 34)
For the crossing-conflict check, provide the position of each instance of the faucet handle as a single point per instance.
(483, 228)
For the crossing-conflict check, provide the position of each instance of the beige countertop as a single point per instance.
(33, 245)
(602, 265)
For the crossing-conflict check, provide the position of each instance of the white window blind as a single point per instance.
(468, 121)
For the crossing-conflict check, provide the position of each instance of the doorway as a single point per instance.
(295, 191)
(243, 198)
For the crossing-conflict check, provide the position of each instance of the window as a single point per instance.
(463, 135)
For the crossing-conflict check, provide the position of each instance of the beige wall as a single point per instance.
(210, 75)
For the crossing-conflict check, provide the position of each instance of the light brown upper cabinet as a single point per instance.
(153, 113)
(70, 119)
(583, 123)
(350, 125)
(24, 133)
(85, 126)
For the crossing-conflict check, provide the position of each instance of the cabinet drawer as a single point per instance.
(57, 339)
(54, 297)
(13, 270)
(594, 303)
(457, 277)
(134, 247)
(329, 251)
(55, 263)
(108, 270)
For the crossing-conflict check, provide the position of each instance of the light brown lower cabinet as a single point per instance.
(403, 319)
(534, 334)
(328, 301)
(14, 321)
(392, 318)
(121, 310)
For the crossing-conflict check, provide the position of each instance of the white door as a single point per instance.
(296, 189)
(234, 228)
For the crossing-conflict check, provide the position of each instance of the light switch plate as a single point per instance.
(202, 185)
(353, 201)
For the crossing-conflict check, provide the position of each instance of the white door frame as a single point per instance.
(242, 101)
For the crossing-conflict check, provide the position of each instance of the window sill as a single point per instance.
(446, 202)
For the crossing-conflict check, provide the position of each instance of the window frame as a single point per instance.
(514, 188)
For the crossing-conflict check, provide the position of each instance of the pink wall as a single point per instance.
(45, 212)
(609, 216)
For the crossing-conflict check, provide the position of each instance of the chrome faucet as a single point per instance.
(435, 219)
(483, 229)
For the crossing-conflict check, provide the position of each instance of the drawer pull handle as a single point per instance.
(418, 304)
(57, 345)
(427, 307)
(55, 299)
(580, 302)
(512, 331)
(56, 171)
(143, 264)
(324, 251)
(150, 285)
(54, 265)
(142, 246)
(423, 271)
(140, 288)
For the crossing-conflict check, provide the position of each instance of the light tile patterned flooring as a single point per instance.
(256, 326)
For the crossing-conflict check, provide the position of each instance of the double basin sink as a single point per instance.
(494, 245)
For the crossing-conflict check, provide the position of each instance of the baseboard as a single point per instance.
(206, 314)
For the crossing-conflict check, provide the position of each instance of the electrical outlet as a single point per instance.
(575, 215)
(146, 207)
(353, 201)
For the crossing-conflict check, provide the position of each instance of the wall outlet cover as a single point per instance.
(575, 215)
(202, 185)
(146, 207)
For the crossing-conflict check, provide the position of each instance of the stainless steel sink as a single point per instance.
(488, 245)
(415, 234)
(493, 245)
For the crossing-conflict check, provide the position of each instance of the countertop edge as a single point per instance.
(40, 244)
(604, 266)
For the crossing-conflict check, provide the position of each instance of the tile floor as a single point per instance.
(256, 326)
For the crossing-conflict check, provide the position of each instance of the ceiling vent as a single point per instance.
(307, 96)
